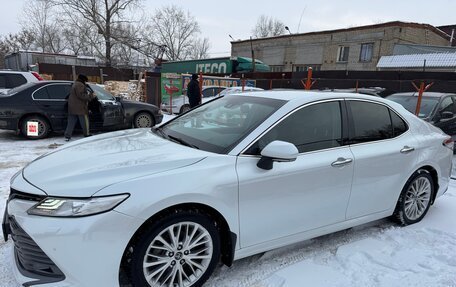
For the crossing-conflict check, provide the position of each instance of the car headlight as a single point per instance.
(76, 207)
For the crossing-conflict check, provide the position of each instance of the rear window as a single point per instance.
(20, 88)
(428, 104)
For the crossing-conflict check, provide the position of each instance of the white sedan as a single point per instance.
(236, 176)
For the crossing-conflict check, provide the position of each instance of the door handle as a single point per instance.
(341, 162)
(407, 149)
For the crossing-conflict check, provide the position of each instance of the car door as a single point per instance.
(384, 153)
(447, 125)
(105, 111)
(294, 197)
(52, 99)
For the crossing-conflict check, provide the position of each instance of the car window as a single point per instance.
(209, 92)
(41, 94)
(371, 122)
(311, 128)
(447, 105)
(219, 125)
(399, 125)
(14, 80)
(101, 93)
(58, 92)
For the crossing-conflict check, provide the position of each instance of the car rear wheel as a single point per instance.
(415, 199)
(184, 109)
(180, 250)
(143, 120)
(43, 127)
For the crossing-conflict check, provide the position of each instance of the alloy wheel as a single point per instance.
(417, 198)
(143, 120)
(178, 256)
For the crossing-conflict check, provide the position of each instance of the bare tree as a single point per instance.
(200, 49)
(175, 28)
(268, 27)
(15, 42)
(44, 26)
(105, 15)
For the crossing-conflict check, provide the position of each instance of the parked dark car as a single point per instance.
(45, 102)
(437, 108)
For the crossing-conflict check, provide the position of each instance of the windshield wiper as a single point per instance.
(181, 141)
(161, 132)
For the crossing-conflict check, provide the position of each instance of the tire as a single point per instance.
(415, 198)
(175, 253)
(43, 127)
(184, 108)
(143, 120)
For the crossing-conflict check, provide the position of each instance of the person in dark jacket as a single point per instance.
(78, 107)
(193, 92)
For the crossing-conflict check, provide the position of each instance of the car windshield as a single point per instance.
(101, 93)
(428, 104)
(220, 124)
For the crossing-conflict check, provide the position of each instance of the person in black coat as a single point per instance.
(193, 92)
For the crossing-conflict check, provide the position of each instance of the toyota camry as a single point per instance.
(236, 176)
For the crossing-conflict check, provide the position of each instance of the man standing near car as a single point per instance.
(193, 91)
(78, 106)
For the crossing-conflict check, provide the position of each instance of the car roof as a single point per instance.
(304, 96)
(425, 94)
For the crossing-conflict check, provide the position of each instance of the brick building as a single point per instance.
(355, 49)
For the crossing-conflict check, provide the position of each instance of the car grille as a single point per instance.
(31, 260)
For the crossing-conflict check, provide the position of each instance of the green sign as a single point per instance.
(206, 66)
(171, 84)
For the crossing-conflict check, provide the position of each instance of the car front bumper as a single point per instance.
(87, 250)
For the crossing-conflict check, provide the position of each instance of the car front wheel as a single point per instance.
(43, 127)
(143, 120)
(415, 199)
(180, 250)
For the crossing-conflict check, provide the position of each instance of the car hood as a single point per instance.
(136, 103)
(82, 168)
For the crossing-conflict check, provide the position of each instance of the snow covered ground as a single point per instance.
(375, 254)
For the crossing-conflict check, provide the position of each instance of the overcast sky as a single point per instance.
(218, 19)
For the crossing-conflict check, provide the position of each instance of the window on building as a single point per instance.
(342, 54)
(367, 51)
(277, 68)
(304, 68)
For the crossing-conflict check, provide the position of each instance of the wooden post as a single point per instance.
(357, 84)
(243, 83)
(270, 84)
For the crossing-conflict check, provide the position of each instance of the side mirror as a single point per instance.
(446, 115)
(279, 151)
(118, 98)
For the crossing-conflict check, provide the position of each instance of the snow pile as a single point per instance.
(375, 254)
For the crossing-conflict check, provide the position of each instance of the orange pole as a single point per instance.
(309, 79)
(420, 96)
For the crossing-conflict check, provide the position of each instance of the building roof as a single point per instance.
(382, 25)
(409, 49)
(434, 60)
